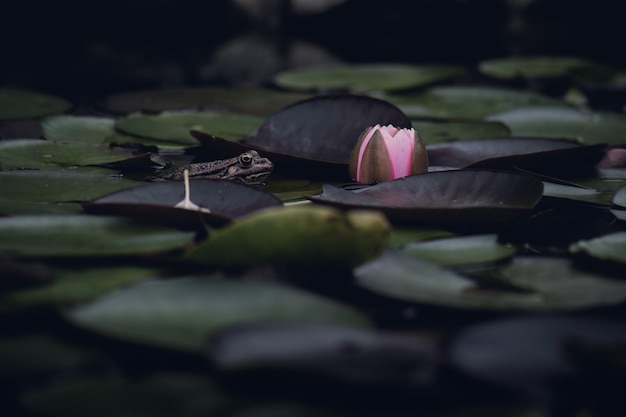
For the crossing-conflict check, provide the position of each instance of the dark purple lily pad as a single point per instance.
(539, 155)
(444, 197)
(312, 137)
(154, 202)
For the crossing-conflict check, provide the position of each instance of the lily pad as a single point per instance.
(81, 129)
(541, 284)
(314, 350)
(302, 236)
(445, 197)
(611, 247)
(175, 126)
(21, 104)
(161, 395)
(37, 353)
(461, 250)
(535, 67)
(314, 136)
(81, 235)
(560, 122)
(466, 102)
(620, 197)
(51, 191)
(537, 155)
(43, 154)
(226, 200)
(365, 77)
(448, 131)
(247, 100)
(77, 285)
(182, 313)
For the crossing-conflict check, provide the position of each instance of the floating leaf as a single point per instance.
(175, 126)
(82, 129)
(528, 354)
(182, 313)
(401, 236)
(21, 104)
(41, 191)
(161, 395)
(448, 131)
(537, 155)
(303, 236)
(543, 284)
(560, 122)
(535, 67)
(620, 197)
(155, 202)
(80, 235)
(611, 247)
(448, 197)
(461, 250)
(590, 195)
(619, 214)
(466, 102)
(255, 101)
(314, 136)
(314, 350)
(43, 154)
(364, 77)
(36, 353)
(72, 286)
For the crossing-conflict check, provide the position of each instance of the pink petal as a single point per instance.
(368, 136)
(400, 149)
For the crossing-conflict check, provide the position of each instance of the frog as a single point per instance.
(249, 168)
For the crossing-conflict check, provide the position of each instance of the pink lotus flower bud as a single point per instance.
(384, 153)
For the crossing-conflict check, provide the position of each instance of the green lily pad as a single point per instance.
(561, 122)
(570, 192)
(304, 236)
(43, 154)
(161, 395)
(247, 100)
(466, 102)
(461, 250)
(20, 104)
(365, 77)
(82, 129)
(36, 353)
(611, 247)
(448, 131)
(619, 214)
(175, 126)
(403, 235)
(620, 197)
(535, 67)
(183, 313)
(81, 235)
(43, 191)
(543, 284)
(73, 286)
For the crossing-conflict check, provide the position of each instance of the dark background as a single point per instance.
(85, 49)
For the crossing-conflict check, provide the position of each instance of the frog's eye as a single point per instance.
(245, 159)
